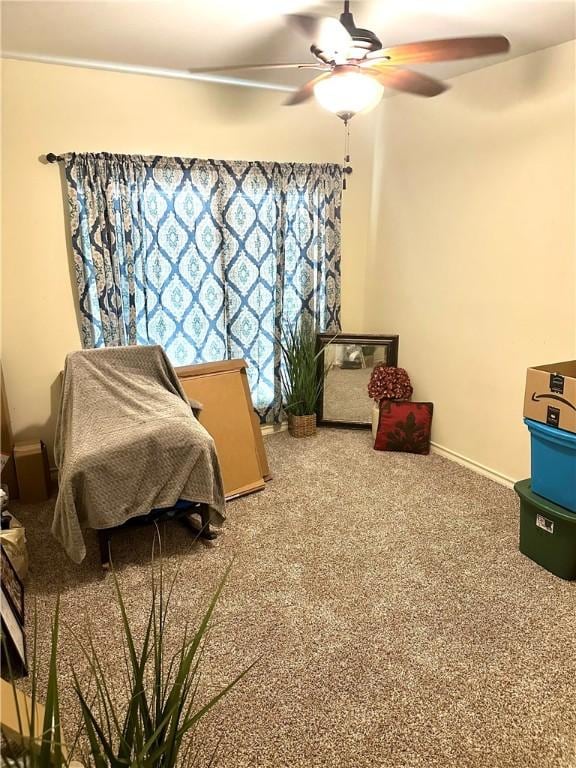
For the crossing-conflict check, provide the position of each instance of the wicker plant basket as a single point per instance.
(302, 426)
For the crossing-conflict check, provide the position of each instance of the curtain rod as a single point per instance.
(50, 157)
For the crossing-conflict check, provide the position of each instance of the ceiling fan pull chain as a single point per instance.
(347, 169)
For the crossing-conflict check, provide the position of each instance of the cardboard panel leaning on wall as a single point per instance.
(226, 413)
(49, 108)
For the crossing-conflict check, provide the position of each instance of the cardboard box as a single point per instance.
(550, 396)
(15, 716)
(32, 470)
(16, 720)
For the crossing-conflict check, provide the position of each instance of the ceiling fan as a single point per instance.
(355, 68)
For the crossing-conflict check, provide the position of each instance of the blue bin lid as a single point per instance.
(552, 434)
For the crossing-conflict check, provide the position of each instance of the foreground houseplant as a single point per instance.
(153, 726)
(301, 385)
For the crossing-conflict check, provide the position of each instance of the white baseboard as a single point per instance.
(447, 453)
(272, 429)
(475, 466)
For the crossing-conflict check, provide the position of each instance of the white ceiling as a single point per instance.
(182, 34)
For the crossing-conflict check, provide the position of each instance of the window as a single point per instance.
(207, 258)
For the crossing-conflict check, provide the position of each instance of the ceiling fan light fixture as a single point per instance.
(348, 93)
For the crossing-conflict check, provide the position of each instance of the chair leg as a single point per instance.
(204, 532)
(104, 538)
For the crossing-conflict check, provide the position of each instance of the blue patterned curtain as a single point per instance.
(208, 258)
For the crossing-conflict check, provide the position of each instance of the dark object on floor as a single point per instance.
(181, 511)
(547, 532)
(12, 585)
(353, 357)
(13, 661)
(127, 442)
(404, 426)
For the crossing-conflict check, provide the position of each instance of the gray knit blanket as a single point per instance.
(127, 442)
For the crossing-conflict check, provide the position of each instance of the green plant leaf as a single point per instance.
(99, 747)
(153, 728)
(159, 716)
(51, 746)
(300, 378)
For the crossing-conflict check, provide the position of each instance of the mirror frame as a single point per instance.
(325, 339)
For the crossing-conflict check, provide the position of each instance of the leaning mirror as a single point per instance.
(346, 362)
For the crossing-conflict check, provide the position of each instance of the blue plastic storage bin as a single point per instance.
(553, 463)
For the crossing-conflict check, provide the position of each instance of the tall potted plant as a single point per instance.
(301, 385)
(149, 722)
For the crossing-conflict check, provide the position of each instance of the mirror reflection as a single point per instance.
(347, 369)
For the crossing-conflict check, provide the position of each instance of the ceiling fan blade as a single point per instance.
(241, 67)
(446, 50)
(408, 81)
(325, 32)
(306, 92)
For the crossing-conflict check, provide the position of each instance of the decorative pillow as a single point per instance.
(404, 426)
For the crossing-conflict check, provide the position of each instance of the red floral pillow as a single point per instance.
(404, 426)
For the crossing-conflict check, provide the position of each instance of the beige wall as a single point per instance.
(473, 254)
(57, 109)
(458, 226)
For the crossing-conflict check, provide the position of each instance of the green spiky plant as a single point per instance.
(301, 384)
(40, 745)
(153, 728)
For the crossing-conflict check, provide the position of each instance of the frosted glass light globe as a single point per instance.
(347, 93)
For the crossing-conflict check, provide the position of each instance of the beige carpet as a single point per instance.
(346, 395)
(398, 624)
